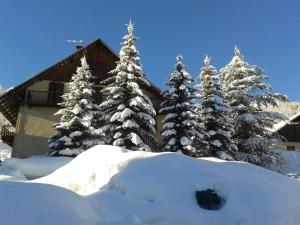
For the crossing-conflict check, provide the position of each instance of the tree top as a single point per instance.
(237, 51)
(207, 60)
(130, 27)
(179, 65)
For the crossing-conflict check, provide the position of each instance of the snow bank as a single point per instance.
(159, 188)
(32, 204)
(91, 170)
(10, 174)
(36, 166)
(5, 151)
(292, 158)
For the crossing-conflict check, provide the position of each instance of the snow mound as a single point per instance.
(292, 158)
(159, 188)
(36, 166)
(10, 174)
(5, 151)
(92, 169)
(25, 203)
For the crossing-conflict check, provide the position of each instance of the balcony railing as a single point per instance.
(49, 98)
(7, 135)
(150, 141)
(43, 98)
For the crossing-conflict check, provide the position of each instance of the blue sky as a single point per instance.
(267, 32)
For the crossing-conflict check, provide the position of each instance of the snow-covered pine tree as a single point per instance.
(179, 119)
(129, 112)
(213, 111)
(74, 133)
(3, 120)
(2, 90)
(4, 123)
(248, 93)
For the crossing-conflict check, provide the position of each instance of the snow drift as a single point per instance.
(159, 188)
(5, 151)
(292, 159)
(91, 170)
(36, 166)
(32, 204)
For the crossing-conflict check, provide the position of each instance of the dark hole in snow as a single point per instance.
(209, 199)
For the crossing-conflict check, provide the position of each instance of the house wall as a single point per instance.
(42, 86)
(284, 145)
(34, 125)
(156, 103)
(158, 136)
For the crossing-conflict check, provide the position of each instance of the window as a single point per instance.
(290, 148)
(97, 95)
(56, 90)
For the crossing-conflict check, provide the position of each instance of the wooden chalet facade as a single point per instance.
(30, 107)
(290, 131)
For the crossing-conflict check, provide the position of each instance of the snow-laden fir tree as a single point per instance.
(74, 131)
(213, 112)
(248, 93)
(5, 125)
(2, 90)
(129, 112)
(3, 120)
(179, 121)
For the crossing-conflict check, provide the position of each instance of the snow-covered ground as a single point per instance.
(118, 186)
(36, 166)
(40, 204)
(11, 174)
(292, 167)
(5, 151)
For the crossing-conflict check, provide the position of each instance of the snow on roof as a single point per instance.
(282, 124)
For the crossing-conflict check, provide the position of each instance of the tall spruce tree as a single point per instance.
(179, 122)
(3, 120)
(2, 90)
(248, 93)
(74, 133)
(213, 111)
(129, 119)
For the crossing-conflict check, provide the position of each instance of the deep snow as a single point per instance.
(5, 151)
(36, 166)
(125, 187)
(40, 204)
(292, 158)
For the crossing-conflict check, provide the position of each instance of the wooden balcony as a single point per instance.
(42, 98)
(49, 98)
(7, 135)
(151, 142)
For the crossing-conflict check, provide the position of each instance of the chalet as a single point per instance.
(290, 131)
(30, 106)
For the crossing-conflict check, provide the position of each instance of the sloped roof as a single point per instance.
(285, 123)
(12, 99)
(290, 129)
